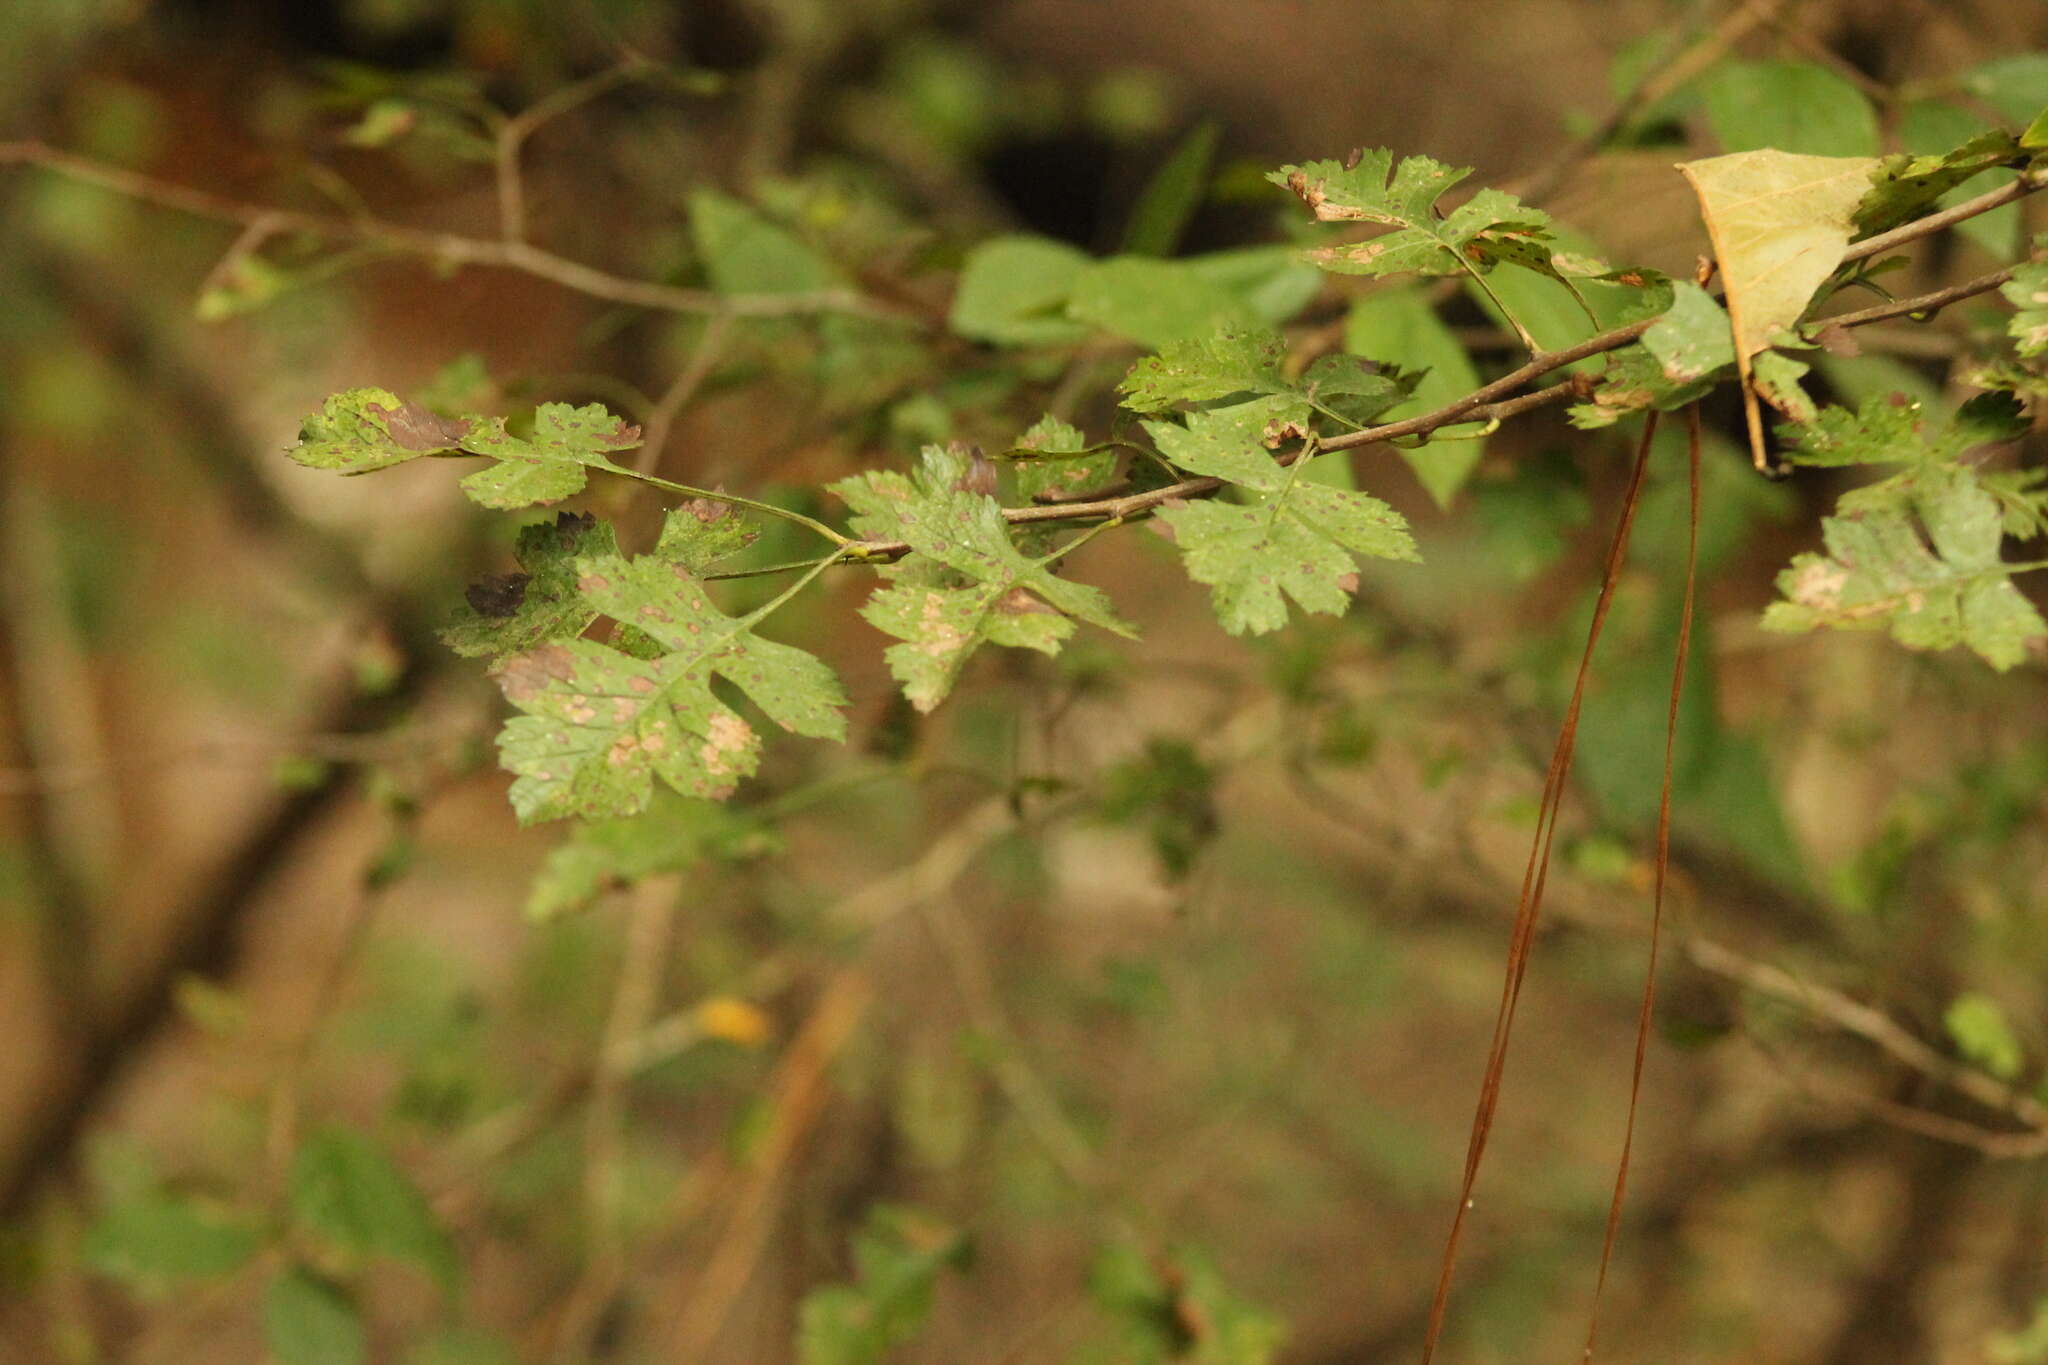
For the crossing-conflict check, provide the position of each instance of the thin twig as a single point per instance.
(446, 248)
(514, 132)
(661, 419)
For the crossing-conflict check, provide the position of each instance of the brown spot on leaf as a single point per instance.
(725, 742)
(412, 427)
(521, 677)
(708, 512)
(497, 595)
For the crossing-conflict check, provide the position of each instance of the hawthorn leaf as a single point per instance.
(703, 532)
(1893, 429)
(360, 430)
(1693, 338)
(2027, 291)
(1903, 187)
(1013, 291)
(965, 583)
(1779, 222)
(600, 724)
(1055, 460)
(551, 464)
(1488, 228)
(505, 613)
(1921, 560)
(1291, 536)
(1777, 383)
(1204, 368)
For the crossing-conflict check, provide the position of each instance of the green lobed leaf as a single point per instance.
(1903, 187)
(347, 1192)
(551, 464)
(1203, 368)
(1982, 1034)
(1295, 537)
(1918, 556)
(898, 1258)
(599, 724)
(2027, 291)
(965, 583)
(1677, 361)
(310, 1320)
(1893, 429)
(1789, 107)
(360, 430)
(1488, 228)
(1068, 466)
(505, 613)
(154, 1236)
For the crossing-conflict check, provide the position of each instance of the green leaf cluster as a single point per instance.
(1373, 187)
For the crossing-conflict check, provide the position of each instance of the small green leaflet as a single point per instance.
(965, 583)
(2027, 291)
(1676, 361)
(1903, 187)
(310, 1320)
(1070, 466)
(1293, 536)
(1978, 1025)
(506, 613)
(1490, 227)
(549, 465)
(600, 724)
(1893, 429)
(1920, 557)
(362, 430)
(1204, 369)
(156, 1236)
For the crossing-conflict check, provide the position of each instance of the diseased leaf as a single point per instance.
(703, 532)
(600, 724)
(1777, 383)
(510, 612)
(1792, 107)
(1692, 340)
(1485, 230)
(1068, 467)
(966, 582)
(1013, 291)
(361, 430)
(1204, 368)
(1294, 537)
(1779, 223)
(1919, 556)
(551, 464)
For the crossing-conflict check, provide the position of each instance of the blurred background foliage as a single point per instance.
(1128, 1008)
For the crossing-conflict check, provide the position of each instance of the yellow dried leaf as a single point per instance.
(1779, 223)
